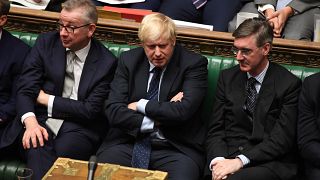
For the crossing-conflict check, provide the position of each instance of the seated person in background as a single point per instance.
(12, 54)
(308, 126)
(212, 12)
(253, 125)
(290, 19)
(63, 85)
(154, 105)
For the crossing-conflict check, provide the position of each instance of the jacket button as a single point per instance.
(240, 148)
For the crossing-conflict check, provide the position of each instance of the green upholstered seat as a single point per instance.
(9, 167)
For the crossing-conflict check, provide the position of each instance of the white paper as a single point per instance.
(241, 16)
(186, 24)
(30, 4)
(121, 1)
(316, 36)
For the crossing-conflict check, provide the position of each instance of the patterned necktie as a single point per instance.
(251, 94)
(55, 124)
(282, 3)
(199, 3)
(142, 147)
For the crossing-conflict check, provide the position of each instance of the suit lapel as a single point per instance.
(141, 80)
(265, 99)
(89, 69)
(60, 62)
(170, 74)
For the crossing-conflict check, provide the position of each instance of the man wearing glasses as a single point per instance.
(64, 83)
(252, 129)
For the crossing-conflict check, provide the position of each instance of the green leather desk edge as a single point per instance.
(215, 65)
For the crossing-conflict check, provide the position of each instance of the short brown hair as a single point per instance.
(4, 7)
(255, 26)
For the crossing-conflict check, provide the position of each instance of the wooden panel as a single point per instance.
(206, 42)
(69, 169)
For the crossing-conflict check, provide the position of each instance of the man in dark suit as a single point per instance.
(308, 126)
(252, 129)
(155, 97)
(12, 54)
(63, 85)
(284, 15)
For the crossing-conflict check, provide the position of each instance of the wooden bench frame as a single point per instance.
(284, 51)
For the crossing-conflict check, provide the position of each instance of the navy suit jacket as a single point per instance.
(268, 140)
(44, 69)
(12, 54)
(180, 122)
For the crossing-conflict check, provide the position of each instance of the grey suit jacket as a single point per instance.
(299, 5)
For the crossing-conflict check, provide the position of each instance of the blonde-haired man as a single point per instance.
(154, 104)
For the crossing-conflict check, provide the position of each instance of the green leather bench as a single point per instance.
(215, 65)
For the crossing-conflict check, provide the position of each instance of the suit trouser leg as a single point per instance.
(254, 173)
(181, 10)
(300, 26)
(218, 13)
(177, 164)
(73, 141)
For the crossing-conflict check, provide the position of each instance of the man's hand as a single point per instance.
(133, 106)
(222, 168)
(43, 98)
(282, 15)
(34, 133)
(273, 21)
(177, 97)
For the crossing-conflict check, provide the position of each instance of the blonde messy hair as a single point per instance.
(155, 26)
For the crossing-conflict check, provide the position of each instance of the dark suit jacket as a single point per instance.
(270, 139)
(299, 5)
(309, 121)
(180, 122)
(12, 54)
(45, 69)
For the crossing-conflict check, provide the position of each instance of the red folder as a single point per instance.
(129, 14)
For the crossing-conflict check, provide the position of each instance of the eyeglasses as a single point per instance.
(69, 29)
(243, 51)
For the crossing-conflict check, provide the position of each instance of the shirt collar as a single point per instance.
(82, 53)
(260, 76)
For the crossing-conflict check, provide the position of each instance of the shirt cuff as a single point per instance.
(26, 115)
(147, 125)
(50, 105)
(141, 105)
(262, 8)
(245, 161)
(213, 160)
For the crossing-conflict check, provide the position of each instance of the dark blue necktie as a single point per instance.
(199, 3)
(142, 147)
(251, 93)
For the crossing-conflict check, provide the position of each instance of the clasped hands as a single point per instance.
(222, 168)
(278, 19)
(35, 134)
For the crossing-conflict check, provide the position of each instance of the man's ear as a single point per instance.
(266, 48)
(3, 20)
(92, 28)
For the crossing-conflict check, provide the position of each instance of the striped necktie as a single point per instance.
(199, 3)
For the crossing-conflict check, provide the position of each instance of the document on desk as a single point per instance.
(121, 1)
(30, 4)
